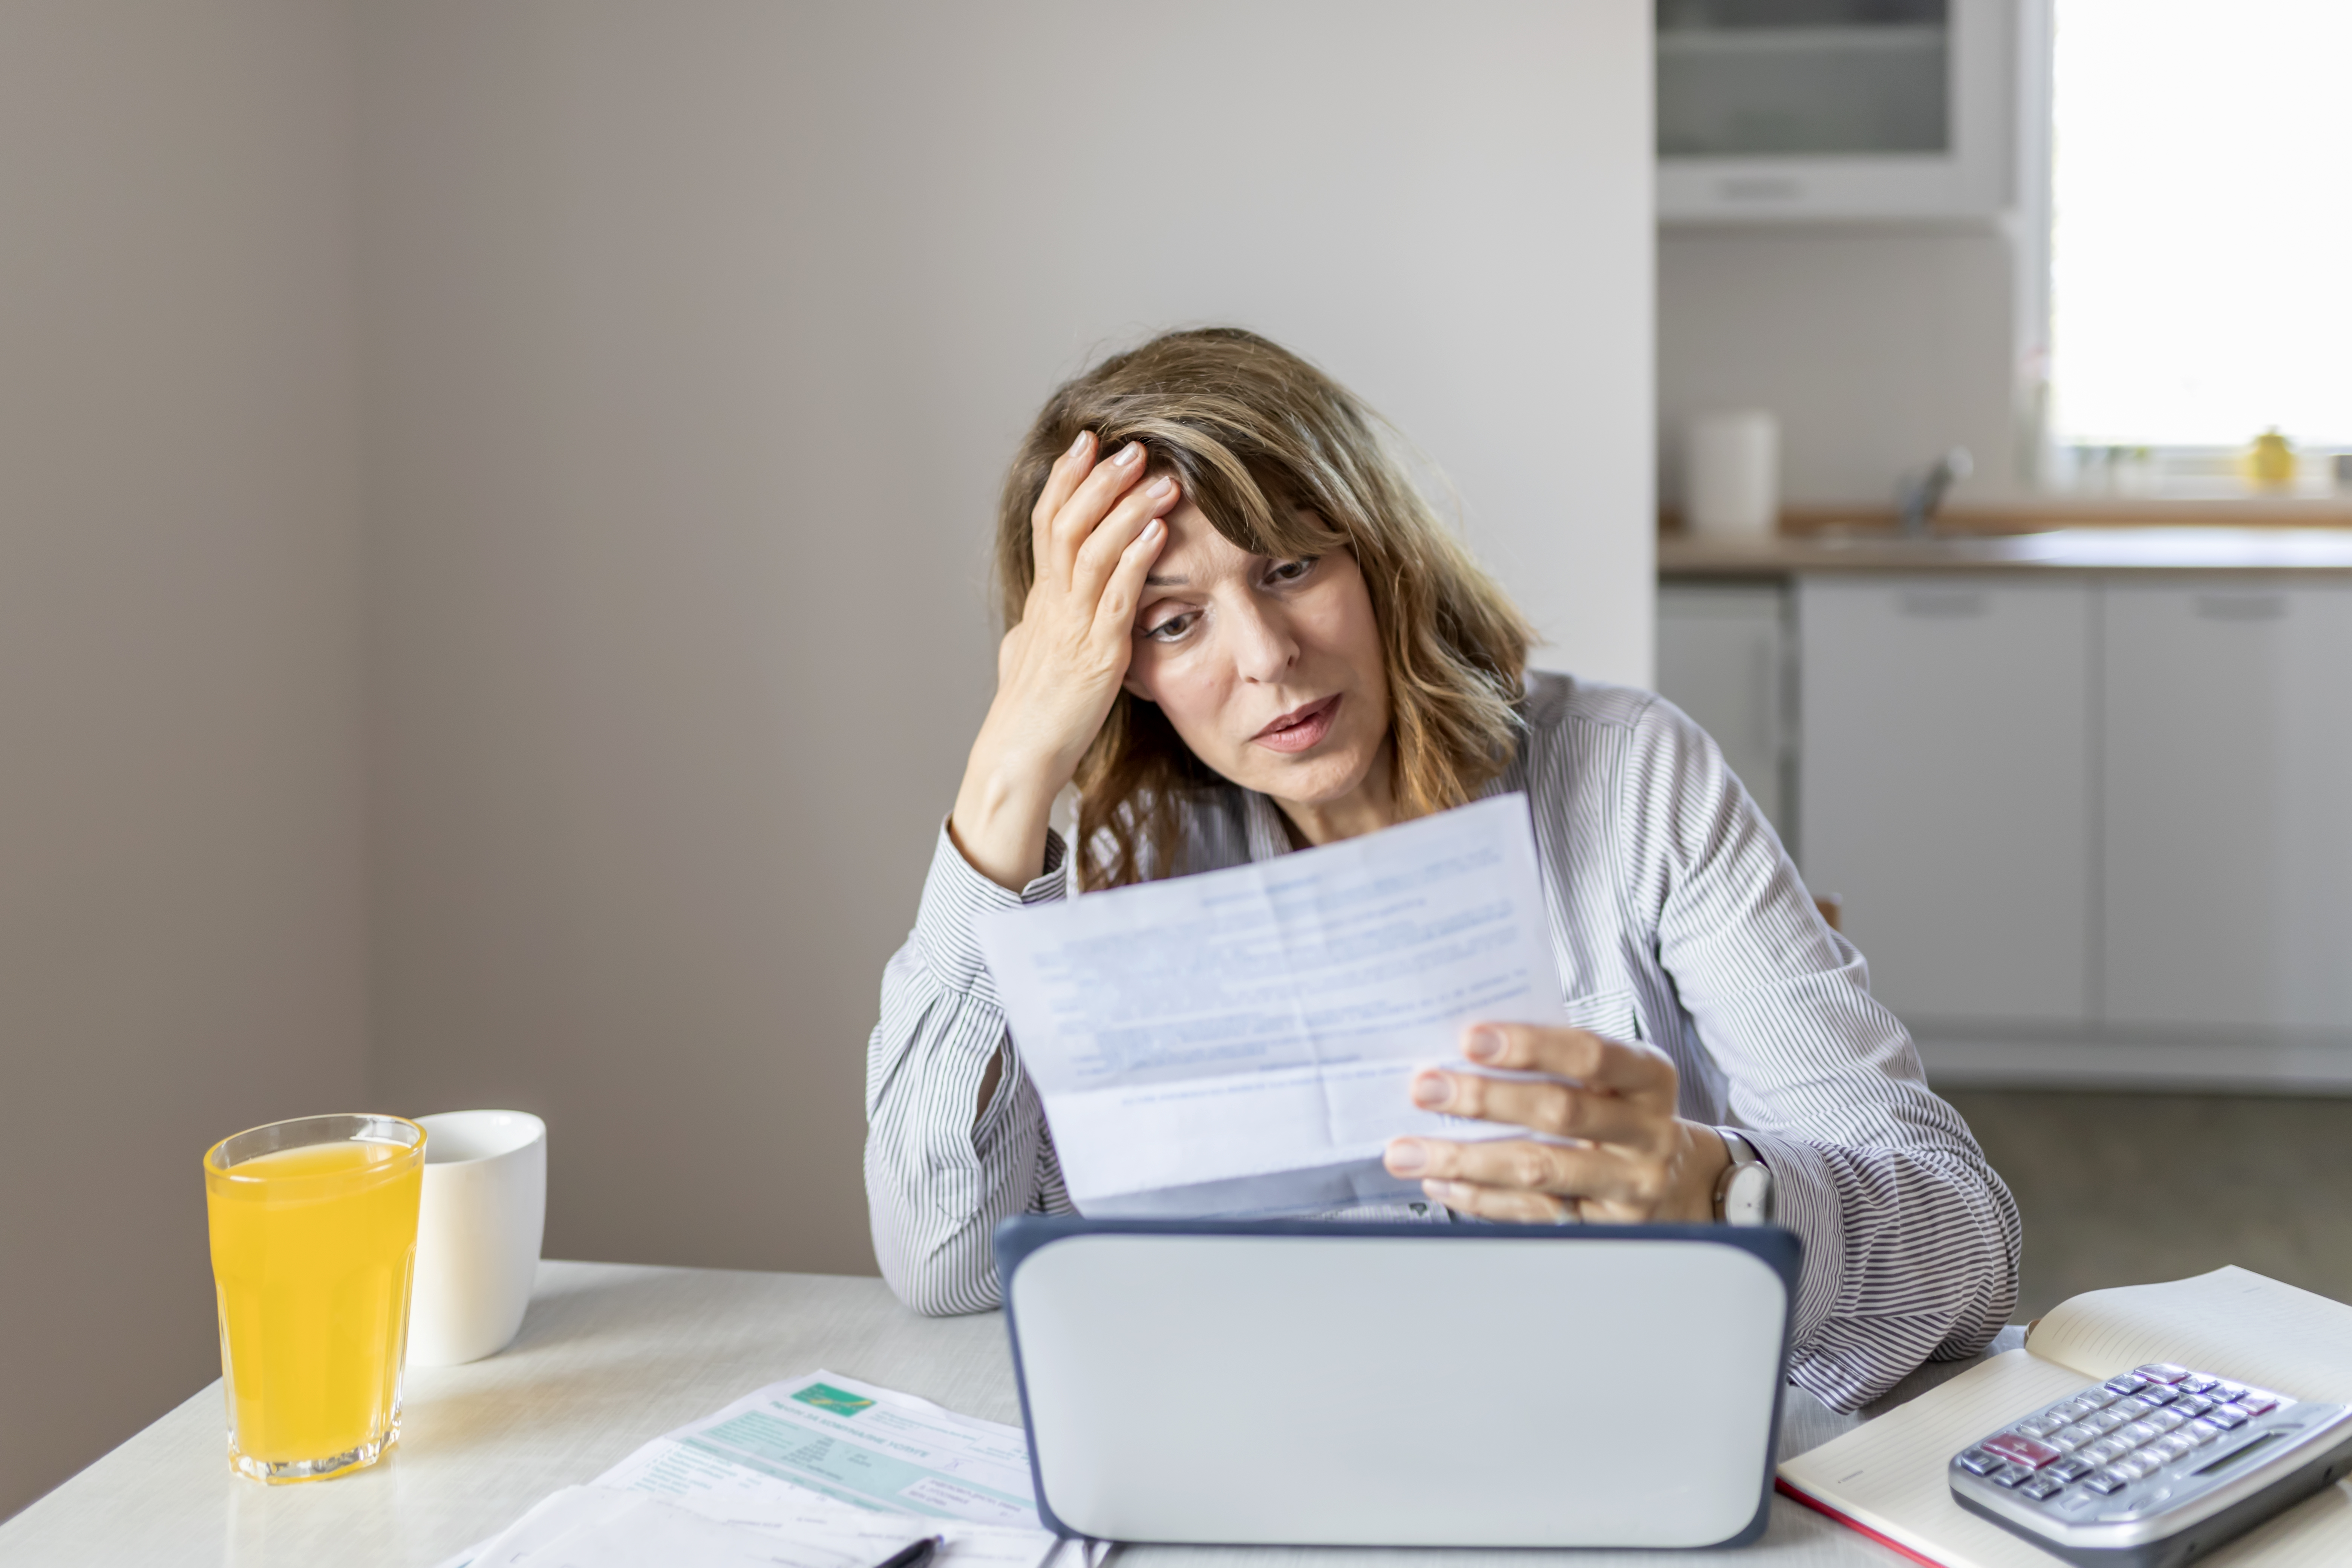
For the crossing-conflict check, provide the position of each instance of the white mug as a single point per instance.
(477, 1232)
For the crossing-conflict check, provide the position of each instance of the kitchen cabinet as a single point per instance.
(2227, 806)
(1779, 109)
(1723, 658)
(1945, 793)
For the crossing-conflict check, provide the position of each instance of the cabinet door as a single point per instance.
(2228, 787)
(1722, 660)
(1945, 788)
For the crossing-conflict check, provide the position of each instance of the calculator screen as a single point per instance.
(2243, 1455)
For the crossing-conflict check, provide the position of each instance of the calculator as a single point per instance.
(2152, 1468)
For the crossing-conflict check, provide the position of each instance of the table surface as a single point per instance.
(2320, 555)
(610, 1356)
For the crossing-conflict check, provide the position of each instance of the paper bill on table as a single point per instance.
(1240, 1041)
(867, 1447)
(812, 1471)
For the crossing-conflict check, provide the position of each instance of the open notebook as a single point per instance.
(1888, 1477)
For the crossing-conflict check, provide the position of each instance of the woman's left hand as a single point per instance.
(1634, 1159)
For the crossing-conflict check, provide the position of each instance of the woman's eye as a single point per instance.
(1174, 627)
(1290, 571)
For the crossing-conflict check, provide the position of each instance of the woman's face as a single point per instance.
(1271, 672)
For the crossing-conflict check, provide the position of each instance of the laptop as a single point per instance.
(1305, 1382)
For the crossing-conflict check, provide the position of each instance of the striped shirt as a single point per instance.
(1677, 918)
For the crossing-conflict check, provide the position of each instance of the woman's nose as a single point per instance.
(1264, 648)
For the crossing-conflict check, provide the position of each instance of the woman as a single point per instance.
(1236, 627)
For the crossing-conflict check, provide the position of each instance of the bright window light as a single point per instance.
(2202, 234)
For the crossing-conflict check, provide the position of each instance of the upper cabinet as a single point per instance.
(1771, 111)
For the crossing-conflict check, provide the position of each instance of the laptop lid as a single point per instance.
(1286, 1382)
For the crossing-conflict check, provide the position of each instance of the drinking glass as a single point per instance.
(314, 1244)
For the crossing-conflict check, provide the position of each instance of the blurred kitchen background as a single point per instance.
(2061, 720)
(493, 536)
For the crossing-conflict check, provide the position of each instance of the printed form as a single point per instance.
(820, 1471)
(1240, 1042)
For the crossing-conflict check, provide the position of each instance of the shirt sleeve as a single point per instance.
(939, 1174)
(1911, 1241)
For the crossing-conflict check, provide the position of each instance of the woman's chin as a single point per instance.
(1320, 777)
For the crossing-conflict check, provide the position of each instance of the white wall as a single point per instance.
(180, 942)
(1878, 347)
(698, 337)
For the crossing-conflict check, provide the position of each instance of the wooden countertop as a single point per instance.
(2326, 551)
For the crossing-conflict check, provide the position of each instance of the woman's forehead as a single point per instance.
(1196, 554)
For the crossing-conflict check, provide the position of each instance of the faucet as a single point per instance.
(1920, 495)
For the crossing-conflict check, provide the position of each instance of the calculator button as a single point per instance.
(2192, 1406)
(2066, 1439)
(2160, 1372)
(2225, 1392)
(1976, 1462)
(2174, 1447)
(2041, 1425)
(2166, 1420)
(2107, 1420)
(2203, 1431)
(2159, 1394)
(2254, 1402)
(2041, 1486)
(2228, 1417)
(2069, 1469)
(2108, 1482)
(2137, 1465)
(2107, 1449)
(2138, 1432)
(2198, 1383)
(2009, 1475)
(2019, 1450)
(2126, 1384)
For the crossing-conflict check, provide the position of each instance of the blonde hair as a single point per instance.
(1255, 434)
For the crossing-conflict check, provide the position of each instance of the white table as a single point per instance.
(612, 1355)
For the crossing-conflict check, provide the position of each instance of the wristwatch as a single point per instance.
(1743, 1193)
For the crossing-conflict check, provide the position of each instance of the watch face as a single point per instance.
(1749, 1199)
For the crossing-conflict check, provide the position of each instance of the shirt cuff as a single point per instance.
(1805, 1200)
(955, 896)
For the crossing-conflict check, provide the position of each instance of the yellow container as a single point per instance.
(314, 1246)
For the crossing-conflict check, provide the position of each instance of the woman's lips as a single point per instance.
(1301, 729)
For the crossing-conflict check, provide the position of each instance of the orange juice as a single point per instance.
(314, 1240)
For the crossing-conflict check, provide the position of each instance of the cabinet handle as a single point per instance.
(2242, 607)
(1942, 604)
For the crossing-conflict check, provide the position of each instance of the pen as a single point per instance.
(914, 1554)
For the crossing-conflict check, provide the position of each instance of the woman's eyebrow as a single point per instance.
(1166, 581)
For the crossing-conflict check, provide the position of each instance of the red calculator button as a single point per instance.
(2021, 1450)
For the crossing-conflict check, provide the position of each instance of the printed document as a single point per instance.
(820, 1471)
(1241, 1041)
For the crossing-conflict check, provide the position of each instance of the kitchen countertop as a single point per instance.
(2298, 551)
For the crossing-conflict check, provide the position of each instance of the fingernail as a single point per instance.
(1129, 454)
(1482, 1046)
(1432, 1091)
(1405, 1157)
(1080, 444)
(1153, 529)
(1160, 489)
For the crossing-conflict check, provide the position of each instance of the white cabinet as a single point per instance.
(1779, 109)
(1723, 658)
(2228, 807)
(1946, 789)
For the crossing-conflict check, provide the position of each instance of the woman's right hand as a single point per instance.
(1094, 530)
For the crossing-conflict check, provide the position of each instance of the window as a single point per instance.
(2200, 263)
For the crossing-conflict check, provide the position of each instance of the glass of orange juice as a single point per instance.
(314, 1242)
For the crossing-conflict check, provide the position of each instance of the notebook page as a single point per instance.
(2231, 1321)
(1889, 1474)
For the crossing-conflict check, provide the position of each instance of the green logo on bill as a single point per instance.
(824, 1396)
